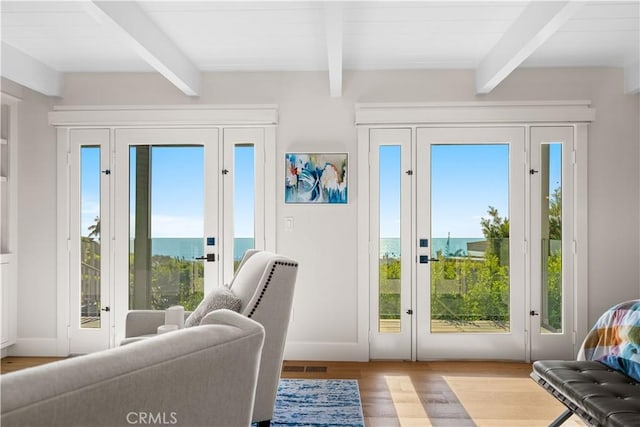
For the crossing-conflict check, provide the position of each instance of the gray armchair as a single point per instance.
(200, 376)
(264, 282)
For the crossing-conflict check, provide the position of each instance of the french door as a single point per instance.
(167, 219)
(90, 315)
(390, 253)
(150, 228)
(463, 264)
(470, 196)
(552, 238)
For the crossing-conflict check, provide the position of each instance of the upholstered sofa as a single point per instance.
(264, 283)
(200, 376)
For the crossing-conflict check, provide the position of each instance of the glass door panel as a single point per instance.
(90, 268)
(243, 201)
(551, 239)
(470, 279)
(470, 273)
(389, 207)
(166, 226)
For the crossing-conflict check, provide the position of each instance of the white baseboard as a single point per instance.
(35, 347)
(327, 351)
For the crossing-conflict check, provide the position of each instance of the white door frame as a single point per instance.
(396, 345)
(394, 115)
(83, 340)
(126, 138)
(434, 346)
(230, 138)
(561, 345)
(67, 118)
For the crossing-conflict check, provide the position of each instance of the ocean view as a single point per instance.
(189, 248)
(453, 246)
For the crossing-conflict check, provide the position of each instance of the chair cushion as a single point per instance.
(215, 300)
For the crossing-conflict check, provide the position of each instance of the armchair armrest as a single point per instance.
(145, 322)
(229, 318)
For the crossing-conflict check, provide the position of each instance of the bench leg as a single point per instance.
(561, 419)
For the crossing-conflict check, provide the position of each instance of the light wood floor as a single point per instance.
(10, 364)
(447, 394)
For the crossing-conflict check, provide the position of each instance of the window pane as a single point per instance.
(243, 201)
(389, 266)
(166, 226)
(470, 238)
(551, 227)
(90, 237)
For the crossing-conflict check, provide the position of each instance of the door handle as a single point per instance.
(534, 313)
(105, 309)
(207, 257)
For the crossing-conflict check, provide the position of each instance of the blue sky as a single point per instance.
(89, 186)
(466, 179)
(177, 180)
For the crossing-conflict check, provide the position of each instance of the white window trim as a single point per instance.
(65, 118)
(577, 113)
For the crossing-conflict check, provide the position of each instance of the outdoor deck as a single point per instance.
(390, 326)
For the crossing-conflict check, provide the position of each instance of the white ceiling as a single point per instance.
(180, 39)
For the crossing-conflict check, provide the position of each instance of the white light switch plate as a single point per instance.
(288, 223)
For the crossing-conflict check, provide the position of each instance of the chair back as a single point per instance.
(265, 283)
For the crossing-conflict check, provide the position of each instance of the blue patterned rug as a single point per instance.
(318, 403)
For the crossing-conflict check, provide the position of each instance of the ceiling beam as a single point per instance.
(29, 72)
(333, 33)
(131, 24)
(538, 22)
(632, 78)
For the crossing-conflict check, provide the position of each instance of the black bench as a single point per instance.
(599, 395)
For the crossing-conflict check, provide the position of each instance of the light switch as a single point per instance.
(288, 223)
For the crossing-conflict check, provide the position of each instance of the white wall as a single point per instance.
(37, 309)
(325, 322)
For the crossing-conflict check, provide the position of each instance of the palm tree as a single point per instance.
(94, 230)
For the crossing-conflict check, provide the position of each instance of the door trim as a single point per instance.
(165, 115)
(496, 113)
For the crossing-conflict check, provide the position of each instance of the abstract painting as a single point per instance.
(316, 178)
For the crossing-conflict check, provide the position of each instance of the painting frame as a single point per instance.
(316, 178)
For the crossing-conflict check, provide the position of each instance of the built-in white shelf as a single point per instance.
(3, 179)
(3, 141)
